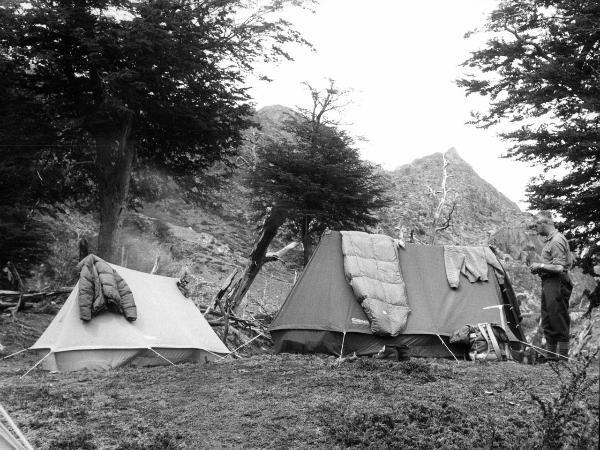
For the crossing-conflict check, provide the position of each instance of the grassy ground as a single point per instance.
(281, 401)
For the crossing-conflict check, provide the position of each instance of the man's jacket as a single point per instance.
(102, 288)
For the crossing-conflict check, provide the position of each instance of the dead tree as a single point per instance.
(258, 257)
(231, 294)
(441, 215)
(323, 104)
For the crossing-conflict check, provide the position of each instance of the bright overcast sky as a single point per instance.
(400, 58)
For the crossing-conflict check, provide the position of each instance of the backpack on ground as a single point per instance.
(487, 342)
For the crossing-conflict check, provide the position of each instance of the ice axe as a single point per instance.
(502, 318)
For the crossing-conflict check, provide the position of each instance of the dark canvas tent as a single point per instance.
(321, 312)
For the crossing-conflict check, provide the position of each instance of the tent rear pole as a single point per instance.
(37, 363)
(20, 435)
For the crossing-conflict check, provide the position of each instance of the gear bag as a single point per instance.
(487, 342)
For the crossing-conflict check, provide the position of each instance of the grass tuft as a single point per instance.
(570, 419)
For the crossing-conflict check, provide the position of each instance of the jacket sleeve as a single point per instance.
(86, 293)
(127, 302)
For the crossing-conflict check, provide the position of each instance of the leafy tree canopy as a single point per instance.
(104, 86)
(319, 178)
(177, 65)
(540, 69)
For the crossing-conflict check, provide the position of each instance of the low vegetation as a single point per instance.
(294, 401)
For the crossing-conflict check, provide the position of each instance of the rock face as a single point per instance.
(481, 211)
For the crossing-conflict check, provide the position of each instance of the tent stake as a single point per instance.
(16, 429)
(453, 355)
(342, 350)
(36, 364)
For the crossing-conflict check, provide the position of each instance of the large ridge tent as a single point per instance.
(321, 313)
(169, 329)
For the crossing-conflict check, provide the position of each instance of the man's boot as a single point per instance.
(563, 350)
(549, 354)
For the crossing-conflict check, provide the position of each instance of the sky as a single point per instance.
(400, 60)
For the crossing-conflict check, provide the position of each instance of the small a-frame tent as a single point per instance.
(322, 315)
(169, 329)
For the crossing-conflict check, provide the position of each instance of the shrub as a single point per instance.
(163, 440)
(364, 430)
(567, 419)
(162, 231)
(81, 440)
(418, 368)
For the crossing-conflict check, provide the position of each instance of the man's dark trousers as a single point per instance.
(556, 291)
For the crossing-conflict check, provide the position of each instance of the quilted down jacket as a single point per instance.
(102, 288)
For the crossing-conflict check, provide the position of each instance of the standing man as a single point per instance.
(556, 286)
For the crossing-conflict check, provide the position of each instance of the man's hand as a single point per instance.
(536, 267)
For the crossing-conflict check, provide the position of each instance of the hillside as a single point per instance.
(214, 237)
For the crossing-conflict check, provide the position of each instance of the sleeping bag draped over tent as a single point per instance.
(372, 268)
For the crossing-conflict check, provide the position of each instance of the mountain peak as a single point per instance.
(480, 210)
(275, 113)
(452, 153)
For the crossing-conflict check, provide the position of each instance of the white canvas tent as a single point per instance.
(169, 329)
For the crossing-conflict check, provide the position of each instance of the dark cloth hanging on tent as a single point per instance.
(101, 288)
(472, 262)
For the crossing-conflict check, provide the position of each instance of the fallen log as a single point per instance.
(32, 297)
(243, 322)
(4, 306)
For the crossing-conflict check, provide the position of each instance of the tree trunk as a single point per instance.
(114, 163)
(436, 226)
(307, 251)
(268, 232)
(306, 242)
(84, 249)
